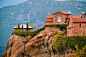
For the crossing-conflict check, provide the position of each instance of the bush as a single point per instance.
(26, 33)
(80, 52)
(61, 26)
(61, 42)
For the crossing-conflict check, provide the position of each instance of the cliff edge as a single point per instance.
(39, 46)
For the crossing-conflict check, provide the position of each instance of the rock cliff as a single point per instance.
(39, 46)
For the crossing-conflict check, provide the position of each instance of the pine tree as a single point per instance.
(22, 26)
(27, 27)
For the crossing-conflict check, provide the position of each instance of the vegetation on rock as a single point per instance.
(60, 42)
(80, 52)
(33, 33)
(26, 33)
(61, 26)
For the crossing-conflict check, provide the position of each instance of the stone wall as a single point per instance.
(79, 29)
(63, 18)
(69, 32)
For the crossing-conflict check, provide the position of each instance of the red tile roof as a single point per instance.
(63, 12)
(49, 20)
(79, 20)
(74, 16)
(49, 16)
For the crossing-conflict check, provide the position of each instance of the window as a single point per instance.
(67, 52)
(80, 25)
(59, 19)
(71, 52)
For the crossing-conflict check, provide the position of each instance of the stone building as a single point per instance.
(76, 23)
(77, 26)
(58, 17)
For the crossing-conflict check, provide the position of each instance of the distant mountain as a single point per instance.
(34, 12)
(4, 3)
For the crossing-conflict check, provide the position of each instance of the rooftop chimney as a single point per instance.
(83, 14)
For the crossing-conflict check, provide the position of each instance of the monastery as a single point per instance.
(76, 23)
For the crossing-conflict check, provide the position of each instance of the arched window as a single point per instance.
(80, 25)
(59, 19)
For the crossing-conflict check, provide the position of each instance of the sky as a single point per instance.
(4, 3)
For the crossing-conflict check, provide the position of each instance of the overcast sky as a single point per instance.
(14, 2)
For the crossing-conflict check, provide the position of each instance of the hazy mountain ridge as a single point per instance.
(33, 12)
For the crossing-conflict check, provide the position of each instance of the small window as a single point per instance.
(59, 19)
(67, 52)
(71, 52)
(80, 25)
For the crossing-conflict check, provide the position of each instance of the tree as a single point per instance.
(18, 26)
(33, 26)
(22, 26)
(27, 27)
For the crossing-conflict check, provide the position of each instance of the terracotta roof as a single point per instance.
(49, 16)
(79, 20)
(74, 16)
(49, 20)
(63, 12)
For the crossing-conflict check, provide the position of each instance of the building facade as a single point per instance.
(77, 27)
(58, 17)
(76, 23)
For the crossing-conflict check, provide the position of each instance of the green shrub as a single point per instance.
(26, 33)
(61, 42)
(80, 52)
(61, 26)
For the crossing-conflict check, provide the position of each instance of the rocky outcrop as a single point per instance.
(39, 46)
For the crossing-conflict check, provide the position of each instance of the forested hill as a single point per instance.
(34, 12)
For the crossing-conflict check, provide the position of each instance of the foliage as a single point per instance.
(61, 42)
(80, 52)
(27, 27)
(33, 26)
(21, 33)
(22, 27)
(29, 37)
(26, 33)
(61, 26)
